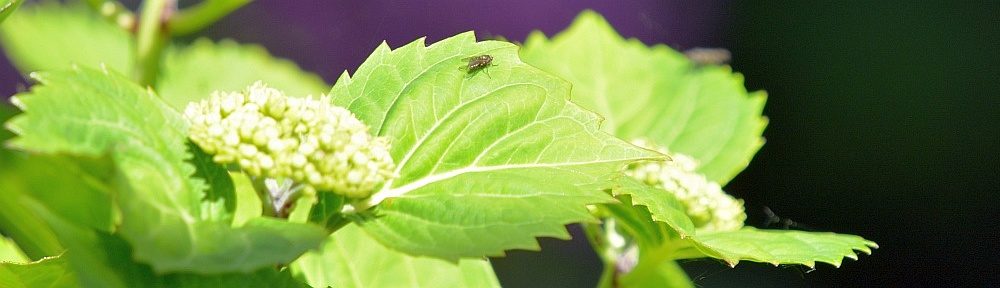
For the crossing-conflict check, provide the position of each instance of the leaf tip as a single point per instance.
(871, 244)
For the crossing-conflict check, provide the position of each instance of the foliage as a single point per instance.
(103, 186)
(657, 94)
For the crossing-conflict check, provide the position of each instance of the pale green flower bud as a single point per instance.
(306, 140)
(710, 208)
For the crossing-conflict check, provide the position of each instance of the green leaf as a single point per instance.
(662, 206)
(781, 246)
(192, 73)
(350, 258)
(51, 36)
(9, 252)
(220, 197)
(87, 112)
(248, 204)
(98, 259)
(49, 272)
(486, 161)
(74, 187)
(7, 7)
(20, 224)
(655, 93)
(668, 274)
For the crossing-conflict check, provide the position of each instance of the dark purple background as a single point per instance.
(328, 37)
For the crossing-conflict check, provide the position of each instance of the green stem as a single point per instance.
(198, 17)
(608, 275)
(598, 240)
(651, 259)
(151, 39)
(115, 12)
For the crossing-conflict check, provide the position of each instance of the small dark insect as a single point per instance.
(478, 63)
(784, 223)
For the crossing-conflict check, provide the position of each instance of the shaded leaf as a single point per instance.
(351, 258)
(98, 259)
(662, 206)
(50, 272)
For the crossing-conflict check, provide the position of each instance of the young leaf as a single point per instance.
(655, 93)
(487, 160)
(351, 258)
(92, 113)
(52, 36)
(662, 206)
(781, 246)
(47, 272)
(192, 73)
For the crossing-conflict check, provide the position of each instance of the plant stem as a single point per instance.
(608, 275)
(198, 17)
(598, 240)
(650, 261)
(151, 39)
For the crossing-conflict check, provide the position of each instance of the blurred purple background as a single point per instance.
(327, 37)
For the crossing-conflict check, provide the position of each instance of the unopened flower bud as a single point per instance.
(710, 208)
(271, 135)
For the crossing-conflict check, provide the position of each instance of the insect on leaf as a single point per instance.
(484, 164)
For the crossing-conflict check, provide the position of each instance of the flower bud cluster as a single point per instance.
(710, 208)
(309, 141)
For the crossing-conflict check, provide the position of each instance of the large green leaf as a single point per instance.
(655, 93)
(51, 36)
(351, 258)
(51, 272)
(193, 72)
(486, 161)
(780, 246)
(92, 113)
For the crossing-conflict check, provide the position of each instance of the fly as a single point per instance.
(478, 63)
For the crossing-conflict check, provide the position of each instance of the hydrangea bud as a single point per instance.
(306, 140)
(709, 207)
